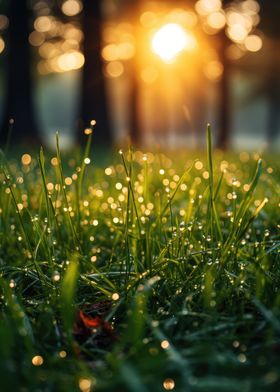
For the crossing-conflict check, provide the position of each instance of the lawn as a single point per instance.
(154, 272)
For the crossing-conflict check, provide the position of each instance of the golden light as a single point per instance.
(253, 43)
(114, 69)
(71, 7)
(38, 360)
(234, 52)
(4, 22)
(251, 6)
(70, 61)
(148, 19)
(26, 159)
(216, 20)
(234, 17)
(48, 50)
(62, 354)
(43, 68)
(214, 70)
(85, 385)
(110, 52)
(169, 384)
(205, 7)
(2, 45)
(54, 161)
(109, 34)
(115, 296)
(43, 24)
(70, 44)
(72, 32)
(237, 32)
(189, 18)
(36, 38)
(149, 75)
(186, 18)
(88, 131)
(170, 40)
(255, 18)
(126, 50)
(123, 51)
(68, 181)
(165, 344)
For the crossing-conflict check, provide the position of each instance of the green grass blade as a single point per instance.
(68, 290)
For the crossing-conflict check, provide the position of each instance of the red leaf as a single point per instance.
(90, 322)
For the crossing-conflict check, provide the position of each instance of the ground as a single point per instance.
(156, 272)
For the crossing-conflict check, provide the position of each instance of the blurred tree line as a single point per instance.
(19, 117)
(269, 83)
(94, 103)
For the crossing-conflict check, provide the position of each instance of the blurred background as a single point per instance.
(150, 72)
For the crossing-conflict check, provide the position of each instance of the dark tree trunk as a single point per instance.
(273, 119)
(94, 100)
(224, 101)
(224, 120)
(18, 102)
(134, 115)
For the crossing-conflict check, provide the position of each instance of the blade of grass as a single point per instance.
(37, 267)
(68, 290)
(74, 234)
(211, 184)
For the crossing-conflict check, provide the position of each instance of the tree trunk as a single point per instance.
(94, 100)
(18, 101)
(134, 115)
(224, 121)
(273, 118)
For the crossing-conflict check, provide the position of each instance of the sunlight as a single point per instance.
(170, 40)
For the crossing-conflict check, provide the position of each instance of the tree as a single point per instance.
(133, 11)
(221, 42)
(239, 21)
(94, 100)
(18, 101)
(270, 85)
(224, 110)
(134, 125)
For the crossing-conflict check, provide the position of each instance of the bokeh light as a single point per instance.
(2, 45)
(169, 384)
(148, 19)
(237, 32)
(253, 43)
(170, 40)
(37, 360)
(70, 61)
(36, 38)
(216, 20)
(43, 24)
(114, 69)
(71, 7)
(214, 70)
(205, 7)
(4, 22)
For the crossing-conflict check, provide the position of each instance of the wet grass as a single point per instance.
(150, 274)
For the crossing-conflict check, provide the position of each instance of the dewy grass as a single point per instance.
(153, 273)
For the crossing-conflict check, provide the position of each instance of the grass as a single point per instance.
(151, 274)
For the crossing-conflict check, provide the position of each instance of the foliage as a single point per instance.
(153, 274)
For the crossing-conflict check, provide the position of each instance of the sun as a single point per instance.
(170, 40)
